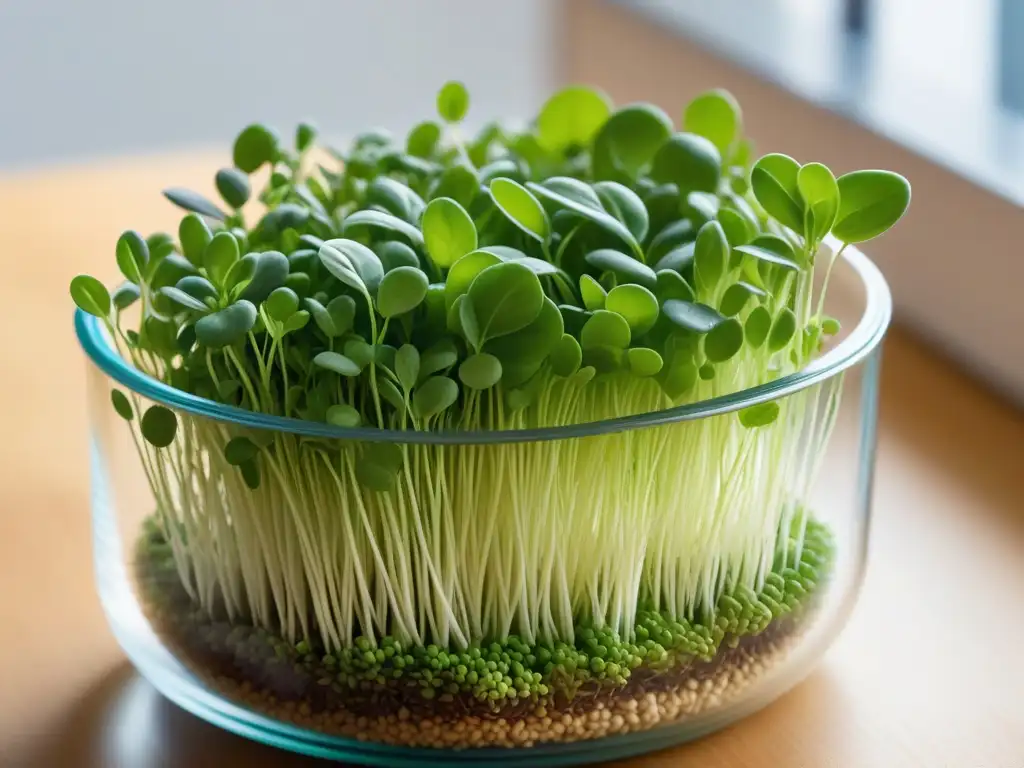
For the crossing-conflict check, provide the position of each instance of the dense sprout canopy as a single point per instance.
(450, 281)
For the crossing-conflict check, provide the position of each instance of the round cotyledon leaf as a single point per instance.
(521, 208)
(870, 202)
(448, 231)
(402, 290)
(505, 297)
(159, 425)
(605, 329)
(716, 116)
(689, 161)
(90, 295)
(452, 101)
(480, 371)
(571, 118)
(636, 304)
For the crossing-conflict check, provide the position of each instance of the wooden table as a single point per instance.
(929, 672)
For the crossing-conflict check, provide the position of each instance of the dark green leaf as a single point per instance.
(407, 365)
(628, 140)
(337, 363)
(580, 199)
(255, 145)
(435, 395)
(724, 340)
(623, 203)
(689, 161)
(125, 295)
(240, 450)
(505, 297)
(194, 235)
(401, 290)
(782, 330)
(343, 415)
(624, 267)
(760, 415)
(251, 474)
(90, 295)
(193, 201)
(226, 326)
(757, 326)
(132, 255)
(480, 371)
(678, 259)
(673, 236)
(281, 304)
(522, 353)
(736, 296)
(233, 186)
(698, 318)
(159, 426)
(121, 405)
(352, 263)
(220, 256)
(305, 135)
(384, 221)
(710, 257)
(270, 272)
(180, 297)
(672, 285)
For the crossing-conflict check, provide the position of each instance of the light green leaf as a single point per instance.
(566, 356)
(343, 415)
(448, 231)
(194, 235)
(255, 146)
(605, 329)
(579, 198)
(90, 295)
(352, 263)
(870, 202)
(626, 268)
(383, 221)
(760, 415)
(521, 208)
(716, 116)
(505, 297)
(592, 292)
(480, 371)
(698, 318)
(724, 340)
(337, 363)
(636, 304)
(571, 118)
(820, 194)
(689, 161)
(402, 290)
(407, 366)
(434, 396)
(628, 140)
(710, 257)
(452, 101)
(624, 204)
(774, 180)
(644, 362)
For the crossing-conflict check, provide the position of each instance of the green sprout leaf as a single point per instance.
(337, 363)
(183, 299)
(690, 316)
(689, 161)
(353, 264)
(480, 371)
(673, 236)
(269, 272)
(566, 356)
(782, 330)
(592, 292)
(434, 396)
(738, 230)
(343, 415)
(90, 295)
(195, 236)
(402, 290)
(505, 297)
(736, 296)
(393, 254)
(121, 405)
(571, 118)
(159, 426)
(383, 221)
(465, 270)
(255, 146)
(233, 186)
(220, 255)
(716, 116)
(407, 366)
(870, 203)
(624, 267)
(521, 208)
(579, 198)
(672, 285)
(132, 256)
(636, 304)
(125, 295)
(457, 182)
(239, 450)
(680, 379)
(774, 180)
(605, 329)
(439, 357)
(281, 304)
(624, 204)
(305, 135)
(522, 353)
(628, 140)
(452, 101)
(448, 231)
(710, 257)
(770, 249)
(757, 326)
(227, 326)
(423, 139)
(188, 200)
(251, 474)
(820, 194)
(760, 415)
(678, 259)
(724, 340)
(644, 362)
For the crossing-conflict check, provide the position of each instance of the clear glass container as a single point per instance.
(674, 570)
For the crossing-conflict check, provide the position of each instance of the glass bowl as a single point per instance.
(538, 596)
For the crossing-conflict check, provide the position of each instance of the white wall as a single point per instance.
(80, 78)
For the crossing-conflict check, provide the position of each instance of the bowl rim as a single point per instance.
(864, 338)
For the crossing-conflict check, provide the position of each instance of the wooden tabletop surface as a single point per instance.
(929, 671)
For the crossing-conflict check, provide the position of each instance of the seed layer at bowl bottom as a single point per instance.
(507, 693)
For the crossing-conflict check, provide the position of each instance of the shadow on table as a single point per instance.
(122, 722)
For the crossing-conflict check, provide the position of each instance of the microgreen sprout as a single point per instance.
(595, 264)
